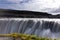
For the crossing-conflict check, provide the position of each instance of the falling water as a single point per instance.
(43, 27)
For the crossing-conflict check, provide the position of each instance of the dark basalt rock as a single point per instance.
(25, 14)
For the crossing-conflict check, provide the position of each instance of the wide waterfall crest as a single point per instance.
(40, 27)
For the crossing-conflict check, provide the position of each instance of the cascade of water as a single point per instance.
(7, 27)
(20, 26)
(29, 26)
(39, 27)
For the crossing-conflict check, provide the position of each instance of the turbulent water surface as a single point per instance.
(43, 27)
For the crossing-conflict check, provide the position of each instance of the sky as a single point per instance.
(50, 6)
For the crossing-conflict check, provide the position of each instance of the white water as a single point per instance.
(43, 27)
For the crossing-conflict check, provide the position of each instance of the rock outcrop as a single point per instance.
(26, 14)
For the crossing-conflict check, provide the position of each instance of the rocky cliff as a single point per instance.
(26, 14)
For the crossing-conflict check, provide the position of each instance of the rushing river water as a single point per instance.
(43, 27)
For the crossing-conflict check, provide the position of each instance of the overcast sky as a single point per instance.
(50, 6)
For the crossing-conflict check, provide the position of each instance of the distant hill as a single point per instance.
(25, 14)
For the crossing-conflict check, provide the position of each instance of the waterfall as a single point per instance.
(43, 27)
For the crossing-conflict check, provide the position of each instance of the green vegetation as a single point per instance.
(26, 37)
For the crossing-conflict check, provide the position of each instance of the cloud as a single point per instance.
(16, 1)
(56, 11)
(33, 5)
(41, 5)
